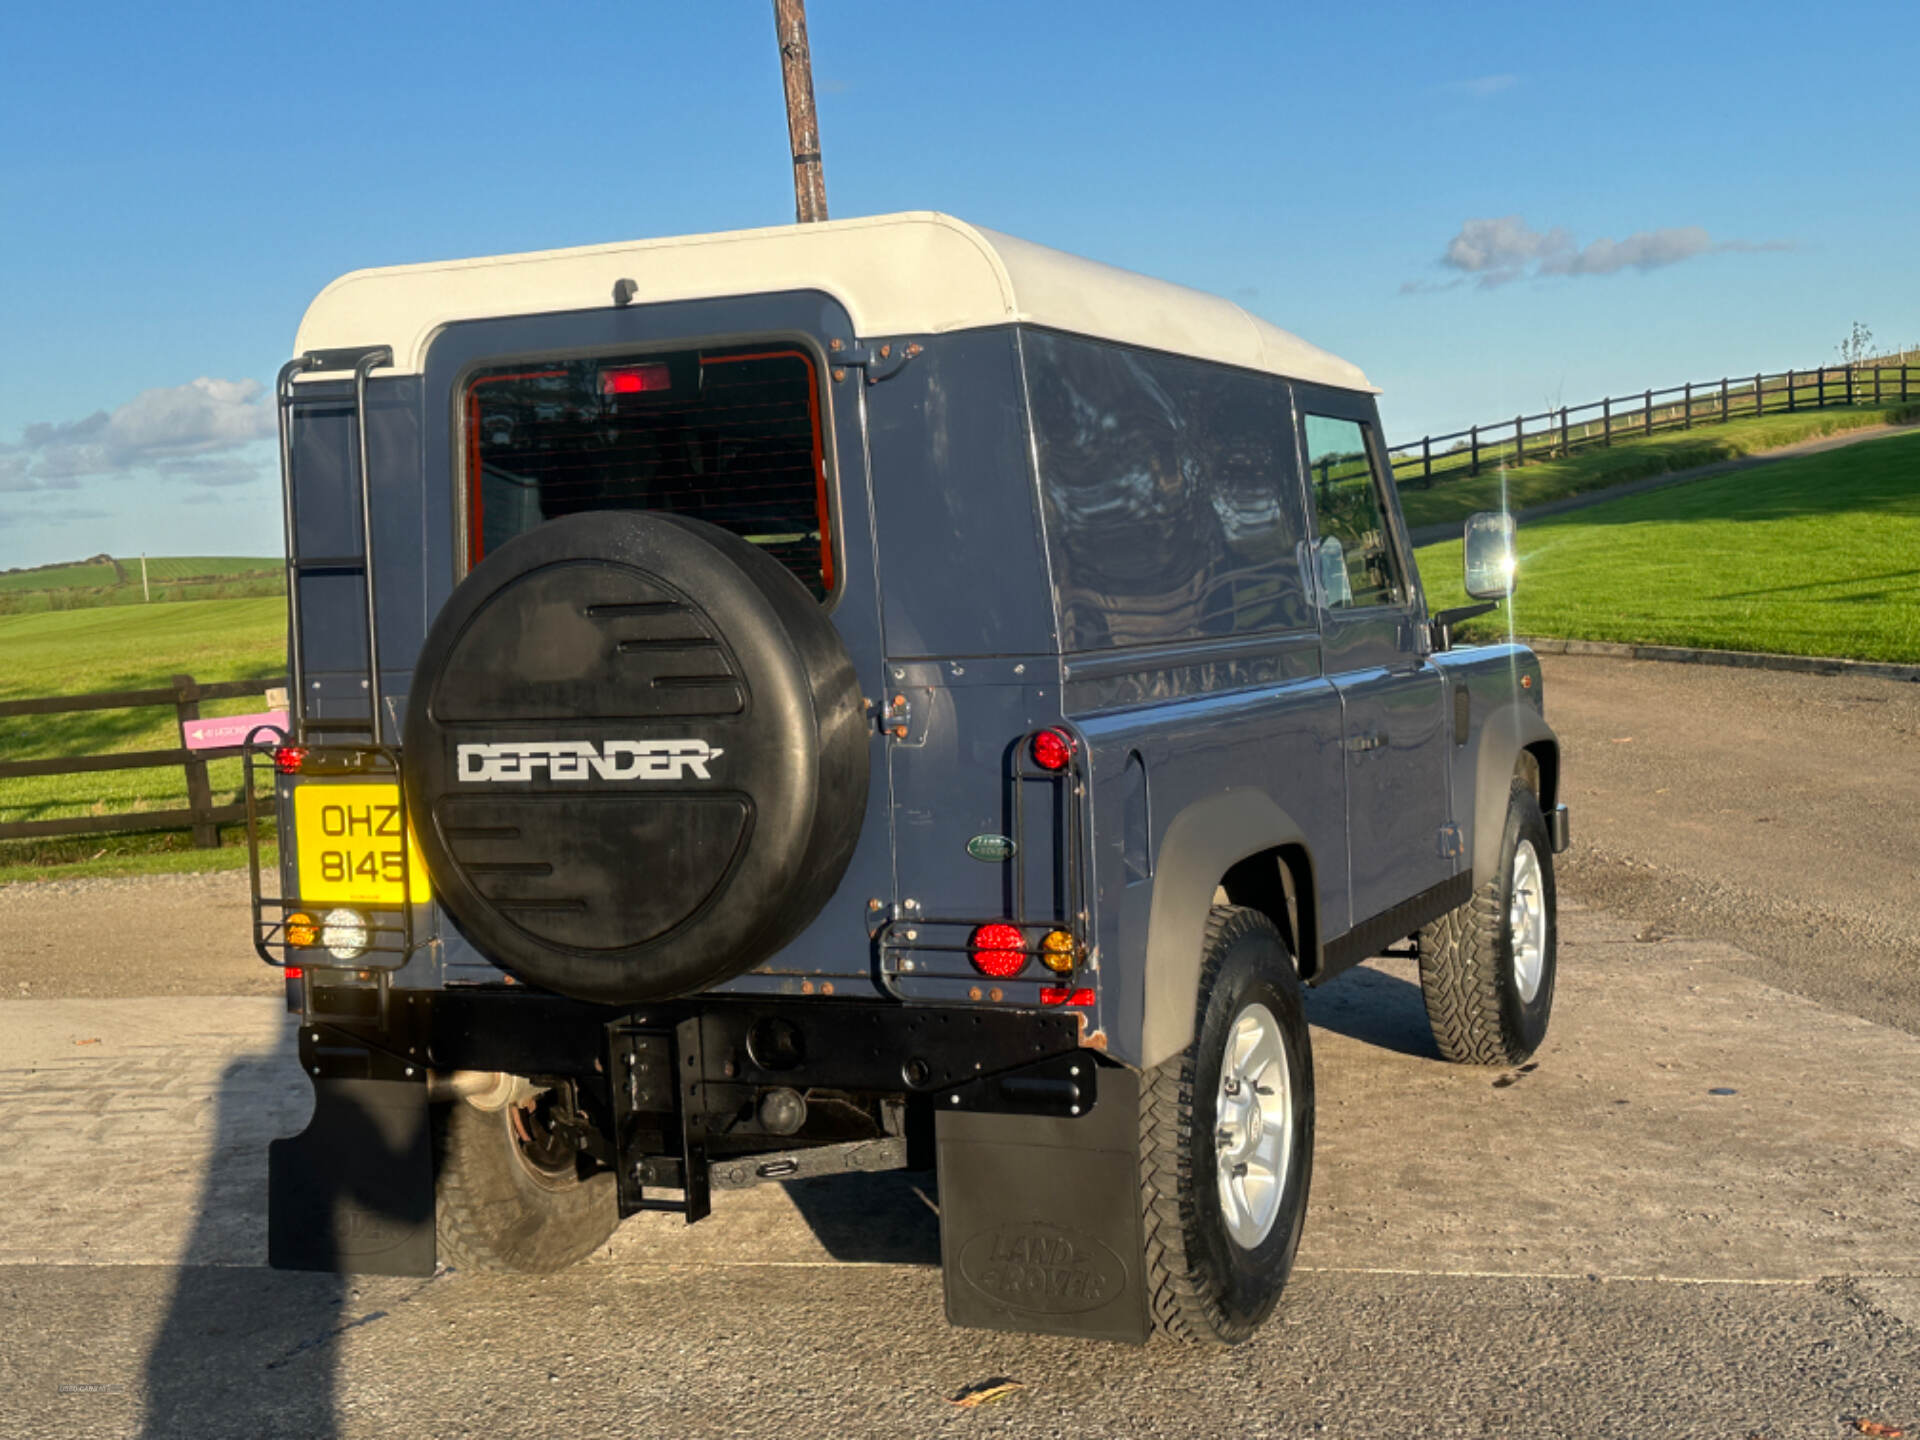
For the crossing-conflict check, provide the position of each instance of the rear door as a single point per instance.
(1391, 694)
(723, 410)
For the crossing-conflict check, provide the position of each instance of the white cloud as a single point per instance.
(214, 470)
(157, 429)
(1494, 252)
(56, 515)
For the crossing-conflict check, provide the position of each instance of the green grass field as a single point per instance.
(122, 648)
(1812, 556)
(1450, 501)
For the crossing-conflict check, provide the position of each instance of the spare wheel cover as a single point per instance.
(636, 756)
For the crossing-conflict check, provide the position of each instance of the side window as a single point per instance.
(1169, 494)
(1354, 554)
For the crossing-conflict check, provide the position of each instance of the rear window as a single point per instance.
(728, 436)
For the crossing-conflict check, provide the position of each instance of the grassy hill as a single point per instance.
(81, 575)
(1818, 555)
(1449, 501)
(106, 580)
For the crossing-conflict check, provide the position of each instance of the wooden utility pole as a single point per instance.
(803, 125)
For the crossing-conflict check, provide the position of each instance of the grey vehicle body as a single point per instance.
(1035, 528)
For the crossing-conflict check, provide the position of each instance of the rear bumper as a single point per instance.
(355, 1192)
(861, 1045)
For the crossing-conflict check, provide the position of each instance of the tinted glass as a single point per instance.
(1354, 552)
(731, 437)
(1169, 494)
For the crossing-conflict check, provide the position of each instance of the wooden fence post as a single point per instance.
(1606, 421)
(1649, 412)
(1849, 384)
(1724, 413)
(186, 704)
(1790, 392)
(1688, 424)
(1426, 462)
(1519, 441)
(1876, 383)
(1474, 467)
(1759, 406)
(1563, 433)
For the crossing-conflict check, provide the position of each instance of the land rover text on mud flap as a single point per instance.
(858, 696)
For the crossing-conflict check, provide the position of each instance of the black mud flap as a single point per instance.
(1040, 1219)
(353, 1192)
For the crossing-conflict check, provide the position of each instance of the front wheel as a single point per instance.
(1226, 1141)
(1487, 968)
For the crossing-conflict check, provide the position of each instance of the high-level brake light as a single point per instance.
(999, 950)
(635, 379)
(1053, 750)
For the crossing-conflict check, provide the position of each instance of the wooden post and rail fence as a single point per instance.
(184, 695)
(1555, 434)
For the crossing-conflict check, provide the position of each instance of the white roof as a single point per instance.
(915, 273)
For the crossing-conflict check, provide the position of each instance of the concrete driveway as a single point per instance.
(1697, 1215)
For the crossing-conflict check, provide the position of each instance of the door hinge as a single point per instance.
(903, 715)
(880, 361)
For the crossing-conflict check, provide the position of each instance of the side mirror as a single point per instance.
(1487, 546)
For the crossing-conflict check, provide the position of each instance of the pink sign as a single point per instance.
(229, 732)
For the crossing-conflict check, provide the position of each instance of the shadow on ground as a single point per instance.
(1374, 1008)
(884, 1219)
(241, 1349)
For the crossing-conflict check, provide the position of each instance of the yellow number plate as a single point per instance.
(348, 838)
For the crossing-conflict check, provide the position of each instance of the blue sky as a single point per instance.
(177, 181)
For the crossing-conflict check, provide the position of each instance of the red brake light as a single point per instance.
(635, 379)
(287, 759)
(999, 951)
(293, 972)
(1053, 749)
(1061, 995)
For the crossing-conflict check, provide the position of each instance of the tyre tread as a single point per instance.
(1460, 971)
(474, 1184)
(1182, 1293)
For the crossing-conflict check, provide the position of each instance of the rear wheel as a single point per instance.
(1487, 968)
(508, 1192)
(1226, 1141)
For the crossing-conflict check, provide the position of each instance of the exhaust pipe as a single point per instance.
(482, 1089)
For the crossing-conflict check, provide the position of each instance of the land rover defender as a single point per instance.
(858, 696)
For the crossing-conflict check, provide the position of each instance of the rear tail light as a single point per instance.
(1052, 750)
(1061, 995)
(999, 951)
(287, 759)
(301, 930)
